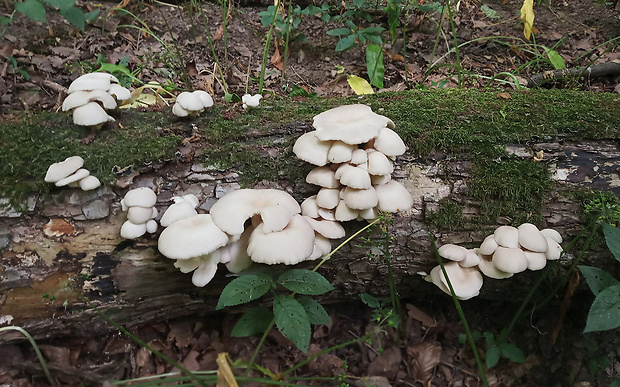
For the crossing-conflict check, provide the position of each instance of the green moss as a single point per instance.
(598, 206)
(449, 216)
(510, 188)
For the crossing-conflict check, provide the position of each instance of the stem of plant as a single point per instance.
(470, 337)
(263, 65)
(179, 54)
(456, 44)
(288, 34)
(208, 34)
(259, 345)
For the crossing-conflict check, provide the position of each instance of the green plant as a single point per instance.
(35, 10)
(604, 313)
(21, 72)
(34, 345)
(496, 348)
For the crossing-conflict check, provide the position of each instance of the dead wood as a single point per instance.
(594, 71)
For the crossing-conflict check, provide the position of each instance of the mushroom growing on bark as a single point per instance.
(189, 104)
(70, 172)
(357, 144)
(141, 212)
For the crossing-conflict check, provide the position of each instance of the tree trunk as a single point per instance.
(64, 256)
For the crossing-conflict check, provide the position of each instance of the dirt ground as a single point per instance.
(428, 352)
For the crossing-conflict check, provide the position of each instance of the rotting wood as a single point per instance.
(594, 71)
(45, 266)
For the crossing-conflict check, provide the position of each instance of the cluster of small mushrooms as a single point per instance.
(509, 250)
(90, 95)
(141, 212)
(190, 104)
(353, 149)
(70, 172)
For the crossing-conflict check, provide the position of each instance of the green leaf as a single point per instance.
(375, 39)
(615, 383)
(512, 352)
(605, 310)
(371, 301)
(359, 85)
(612, 237)
(114, 68)
(374, 65)
(91, 16)
(493, 354)
(339, 32)
(230, 97)
(74, 16)
(315, 311)
(597, 279)
(489, 12)
(292, 321)
(61, 4)
(346, 43)
(556, 60)
(373, 30)
(304, 282)
(253, 322)
(244, 289)
(33, 9)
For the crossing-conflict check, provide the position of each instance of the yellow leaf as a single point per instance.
(527, 17)
(360, 85)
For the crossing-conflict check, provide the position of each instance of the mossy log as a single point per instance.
(470, 167)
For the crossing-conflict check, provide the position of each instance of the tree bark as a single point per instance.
(59, 264)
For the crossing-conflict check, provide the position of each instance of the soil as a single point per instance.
(426, 350)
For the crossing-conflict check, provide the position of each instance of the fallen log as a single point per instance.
(63, 259)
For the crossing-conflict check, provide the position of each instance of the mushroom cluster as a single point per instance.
(250, 101)
(189, 104)
(246, 226)
(90, 95)
(141, 212)
(183, 207)
(507, 251)
(353, 149)
(70, 172)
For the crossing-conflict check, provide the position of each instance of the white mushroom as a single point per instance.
(91, 114)
(62, 169)
(250, 101)
(352, 124)
(312, 150)
(466, 281)
(291, 245)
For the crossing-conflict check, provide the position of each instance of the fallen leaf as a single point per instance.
(539, 155)
(219, 33)
(504, 95)
(359, 85)
(276, 59)
(417, 314)
(424, 358)
(527, 17)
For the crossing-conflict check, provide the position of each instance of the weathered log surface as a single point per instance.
(69, 243)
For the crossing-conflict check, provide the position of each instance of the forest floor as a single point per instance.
(38, 61)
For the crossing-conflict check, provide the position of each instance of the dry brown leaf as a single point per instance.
(225, 376)
(219, 33)
(418, 315)
(504, 95)
(276, 59)
(424, 358)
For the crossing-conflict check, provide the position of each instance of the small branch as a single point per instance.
(597, 70)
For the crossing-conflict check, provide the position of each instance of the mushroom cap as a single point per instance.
(530, 238)
(328, 197)
(344, 213)
(327, 214)
(119, 92)
(553, 234)
(82, 97)
(323, 177)
(360, 199)
(191, 237)
(393, 197)
(312, 150)
(507, 236)
(275, 207)
(137, 215)
(309, 207)
(151, 226)
(130, 230)
(205, 98)
(380, 179)
(471, 259)
(92, 81)
(327, 228)
(340, 152)
(291, 245)
(554, 250)
(190, 101)
(488, 268)
(62, 169)
(359, 156)
(251, 100)
(369, 213)
(353, 176)
(510, 260)
(452, 252)
(90, 114)
(77, 175)
(89, 182)
(488, 246)
(322, 247)
(205, 271)
(466, 281)
(389, 143)
(535, 260)
(235, 254)
(142, 196)
(177, 211)
(352, 124)
(179, 111)
(379, 164)
(190, 198)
